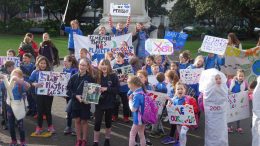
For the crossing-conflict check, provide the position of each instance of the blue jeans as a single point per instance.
(11, 121)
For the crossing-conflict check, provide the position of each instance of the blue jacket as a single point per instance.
(148, 69)
(178, 101)
(71, 70)
(213, 62)
(71, 31)
(27, 70)
(138, 103)
(183, 65)
(34, 79)
(161, 87)
(118, 33)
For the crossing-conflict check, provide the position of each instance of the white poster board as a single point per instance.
(214, 45)
(120, 9)
(54, 83)
(160, 99)
(181, 114)
(123, 73)
(16, 60)
(158, 47)
(91, 93)
(190, 76)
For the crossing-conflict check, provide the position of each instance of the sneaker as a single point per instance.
(148, 142)
(83, 143)
(155, 135)
(166, 119)
(35, 116)
(126, 119)
(73, 132)
(107, 143)
(51, 129)
(114, 118)
(176, 144)
(78, 143)
(44, 117)
(13, 143)
(23, 143)
(38, 130)
(29, 113)
(67, 130)
(95, 144)
(168, 140)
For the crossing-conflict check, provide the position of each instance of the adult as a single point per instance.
(233, 41)
(73, 29)
(48, 49)
(26, 47)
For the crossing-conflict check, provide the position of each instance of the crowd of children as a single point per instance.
(156, 73)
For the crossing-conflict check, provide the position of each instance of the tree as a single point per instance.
(155, 7)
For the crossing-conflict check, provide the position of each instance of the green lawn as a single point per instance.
(13, 41)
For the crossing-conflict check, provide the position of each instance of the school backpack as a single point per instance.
(150, 110)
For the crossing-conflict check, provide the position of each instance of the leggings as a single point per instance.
(99, 116)
(44, 104)
(124, 101)
(182, 130)
(172, 131)
(134, 130)
(11, 121)
(69, 117)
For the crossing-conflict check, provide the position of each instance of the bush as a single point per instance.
(87, 29)
(51, 26)
(19, 26)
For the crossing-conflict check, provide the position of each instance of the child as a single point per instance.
(109, 87)
(34, 44)
(136, 104)
(213, 61)
(134, 62)
(236, 85)
(84, 53)
(155, 69)
(80, 111)
(213, 86)
(184, 60)
(10, 53)
(44, 102)
(119, 29)
(48, 49)
(70, 66)
(161, 85)
(16, 89)
(180, 98)
(233, 41)
(255, 118)
(149, 61)
(120, 62)
(102, 31)
(26, 47)
(158, 61)
(74, 29)
(110, 56)
(27, 68)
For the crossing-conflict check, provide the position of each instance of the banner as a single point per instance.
(120, 9)
(214, 45)
(99, 45)
(16, 60)
(54, 83)
(242, 59)
(238, 108)
(178, 39)
(158, 47)
(181, 114)
(190, 76)
(123, 73)
(91, 93)
(160, 99)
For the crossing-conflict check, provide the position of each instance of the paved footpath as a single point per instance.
(120, 132)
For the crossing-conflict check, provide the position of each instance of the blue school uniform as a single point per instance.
(34, 78)
(161, 87)
(213, 62)
(71, 31)
(117, 32)
(183, 65)
(27, 69)
(138, 103)
(148, 69)
(71, 70)
(178, 101)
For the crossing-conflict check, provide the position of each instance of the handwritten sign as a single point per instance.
(128, 51)
(158, 47)
(190, 76)
(238, 107)
(99, 45)
(120, 9)
(91, 93)
(214, 45)
(54, 83)
(160, 99)
(152, 79)
(239, 59)
(181, 114)
(16, 60)
(123, 73)
(178, 39)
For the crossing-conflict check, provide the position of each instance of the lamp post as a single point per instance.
(42, 8)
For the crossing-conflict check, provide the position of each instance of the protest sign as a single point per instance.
(181, 114)
(123, 73)
(160, 99)
(99, 45)
(158, 47)
(178, 39)
(16, 60)
(242, 59)
(238, 107)
(120, 9)
(54, 83)
(91, 93)
(214, 45)
(190, 76)
(152, 79)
